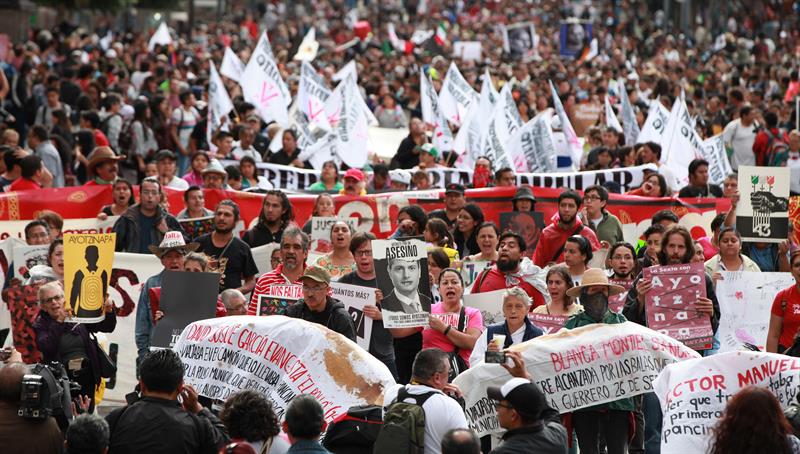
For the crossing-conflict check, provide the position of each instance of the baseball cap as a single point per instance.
(317, 273)
(429, 148)
(355, 174)
(400, 176)
(454, 187)
(525, 397)
(165, 154)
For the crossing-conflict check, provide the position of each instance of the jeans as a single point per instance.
(651, 408)
(614, 425)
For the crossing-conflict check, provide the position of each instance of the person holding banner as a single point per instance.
(294, 252)
(318, 307)
(565, 224)
(655, 185)
(122, 196)
(515, 329)
(698, 182)
(194, 202)
(784, 320)
(276, 214)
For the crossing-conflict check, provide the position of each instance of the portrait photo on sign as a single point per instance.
(88, 260)
(401, 270)
(528, 224)
(520, 41)
(574, 35)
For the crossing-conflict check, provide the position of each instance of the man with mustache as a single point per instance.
(293, 253)
(565, 224)
(232, 256)
(513, 270)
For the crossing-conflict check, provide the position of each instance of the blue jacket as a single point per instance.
(531, 331)
(144, 317)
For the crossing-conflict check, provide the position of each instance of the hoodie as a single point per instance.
(551, 242)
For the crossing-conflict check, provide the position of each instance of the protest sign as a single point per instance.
(277, 298)
(573, 36)
(586, 115)
(763, 212)
(693, 393)
(185, 298)
(354, 298)
(745, 305)
(617, 302)
(88, 259)
(467, 50)
(401, 270)
(489, 303)
(26, 257)
(548, 323)
(470, 271)
(23, 305)
(576, 369)
(535, 143)
(528, 224)
(321, 232)
(197, 227)
(670, 304)
(520, 41)
(280, 358)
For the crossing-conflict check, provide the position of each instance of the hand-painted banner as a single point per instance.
(281, 358)
(745, 303)
(576, 369)
(548, 323)
(694, 393)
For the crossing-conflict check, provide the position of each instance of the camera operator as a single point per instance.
(70, 343)
(18, 434)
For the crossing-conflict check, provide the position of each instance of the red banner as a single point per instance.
(378, 212)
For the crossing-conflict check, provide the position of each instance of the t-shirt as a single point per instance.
(186, 121)
(740, 138)
(442, 214)
(381, 345)
(235, 264)
(787, 306)
(434, 339)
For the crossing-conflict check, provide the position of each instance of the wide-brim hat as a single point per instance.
(595, 276)
(100, 155)
(214, 166)
(524, 193)
(173, 241)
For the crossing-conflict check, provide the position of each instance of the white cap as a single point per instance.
(400, 176)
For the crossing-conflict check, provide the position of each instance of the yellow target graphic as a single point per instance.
(88, 259)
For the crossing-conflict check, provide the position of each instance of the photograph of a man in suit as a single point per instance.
(405, 297)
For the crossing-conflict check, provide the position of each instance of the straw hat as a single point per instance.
(595, 276)
(100, 155)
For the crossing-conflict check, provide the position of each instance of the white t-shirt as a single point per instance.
(185, 120)
(741, 139)
(793, 163)
(442, 413)
(178, 183)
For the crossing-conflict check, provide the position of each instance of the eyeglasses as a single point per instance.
(53, 299)
(363, 253)
(590, 198)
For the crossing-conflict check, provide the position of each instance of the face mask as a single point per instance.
(595, 305)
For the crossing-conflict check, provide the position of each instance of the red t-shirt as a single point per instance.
(100, 139)
(787, 306)
(23, 184)
(496, 280)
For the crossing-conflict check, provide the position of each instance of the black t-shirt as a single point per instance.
(381, 345)
(235, 264)
(709, 190)
(442, 214)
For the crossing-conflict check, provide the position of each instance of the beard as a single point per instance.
(223, 231)
(595, 305)
(507, 265)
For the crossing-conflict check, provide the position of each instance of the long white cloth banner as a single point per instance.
(280, 357)
(576, 369)
(693, 394)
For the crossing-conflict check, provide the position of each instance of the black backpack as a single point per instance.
(354, 432)
(403, 429)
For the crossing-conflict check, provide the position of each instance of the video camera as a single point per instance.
(47, 391)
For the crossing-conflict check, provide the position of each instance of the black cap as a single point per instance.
(524, 193)
(525, 397)
(454, 187)
(165, 154)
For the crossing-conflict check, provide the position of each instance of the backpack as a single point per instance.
(355, 431)
(125, 139)
(777, 150)
(403, 429)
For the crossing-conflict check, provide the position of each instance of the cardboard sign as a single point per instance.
(520, 41)
(573, 36)
(528, 224)
(26, 257)
(617, 302)
(277, 298)
(548, 323)
(471, 270)
(88, 261)
(489, 303)
(401, 270)
(585, 115)
(354, 298)
(185, 298)
(321, 232)
(670, 305)
(197, 227)
(763, 212)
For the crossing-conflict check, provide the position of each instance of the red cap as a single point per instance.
(355, 174)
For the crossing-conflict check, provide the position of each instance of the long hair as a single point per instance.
(288, 213)
(753, 422)
(562, 271)
(439, 227)
(687, 239)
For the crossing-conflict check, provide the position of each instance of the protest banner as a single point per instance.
(312, 92)
(351, 124)
(528, 224)
(680, 145)
(617, 302)
(693, 393)
(763, 212)
(197, 227)
(534, 142)
(670, 304)
(280, 358)
(185, 298)
(630, 126)
(489, 303)
(470, 271)
(219, 105)
(611, 118)
(576, 369)
(745, 306)
(548, 323)
(574, 149)
(88, 259)
(354, 298)
(321, 232)
(277, 298)
(503, 123)
(26, 257)
(520, 41)
(573, 36)
(231, 67)
(401, 271)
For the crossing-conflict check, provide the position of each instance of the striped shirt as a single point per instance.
(274, 277)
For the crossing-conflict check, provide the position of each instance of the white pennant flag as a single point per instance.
(713, 151)
(311, 96)
(504, 122)
(470, 138)
(653, 129)
(232, 67)
(349, 68)
(308, 47)
(219, 104)
(433, 116)
(107, 40)
(535, 143)
(456, 96)
(263, 86)
(576, 152)
(352, 127)
(679, 146)
(611, 117)
(160, 37)
(629, 125)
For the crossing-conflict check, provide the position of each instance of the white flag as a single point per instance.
(576, 152)
(534, 142)
(653, 129)
(470, 138)
(263, 86)
(456, 96)
(629, 125)
(308, 47)
(351, 129)
(160, 37)
(611, 117)
(349, 68)
(679, 146)
(433, 116)
(311, 96)
(504, 122)
(232, 67)
(713, 151)
(219, 103)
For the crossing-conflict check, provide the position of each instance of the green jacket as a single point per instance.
(610, 318)
(608, 229)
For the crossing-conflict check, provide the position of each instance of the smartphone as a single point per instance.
(495, 357)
